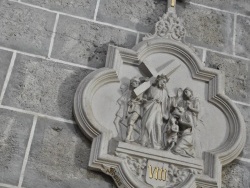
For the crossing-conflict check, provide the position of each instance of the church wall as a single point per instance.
(48, 46)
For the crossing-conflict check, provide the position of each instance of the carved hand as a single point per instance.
(184, 125)
(130, 103)
(157, 100)
(165, 117)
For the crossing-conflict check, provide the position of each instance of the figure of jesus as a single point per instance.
(154, 111)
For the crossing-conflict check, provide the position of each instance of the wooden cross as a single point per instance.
(173, 3)
(152, 74)
(171, 6)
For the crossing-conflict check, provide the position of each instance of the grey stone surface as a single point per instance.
(242, 46)
(24, 28)
(245, 110)
(141, 36)
(43, 86)
(240, 6)
(86, 43)
(59, 157)
(140, 15)
(83, 8)
(236, 73)
(60, 153)
(5, 58)
(199, 52)
(14, 134)
(207, 28)
(236, 175)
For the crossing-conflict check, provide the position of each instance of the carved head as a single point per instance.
(187, 93)
(178, 112)
(161, 81)
(135, 82)
(172, 120)
(123, 88)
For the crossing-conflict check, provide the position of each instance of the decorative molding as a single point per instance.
(169, 26)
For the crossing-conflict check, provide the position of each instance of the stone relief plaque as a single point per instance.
(157, 117)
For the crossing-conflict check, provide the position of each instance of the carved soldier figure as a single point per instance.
(134, 107)
(121, 114)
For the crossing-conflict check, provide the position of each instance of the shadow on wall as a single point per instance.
(82, 154)
(67, 91)
(65, 104)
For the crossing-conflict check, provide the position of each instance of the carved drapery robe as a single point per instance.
(186, 143)
(155, 109)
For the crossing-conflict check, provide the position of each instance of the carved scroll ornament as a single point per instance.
(169, 26)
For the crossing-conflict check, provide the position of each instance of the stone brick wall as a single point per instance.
(48, 46)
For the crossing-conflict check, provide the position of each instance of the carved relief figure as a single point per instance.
(156, 117)
(186, 112)
(172, 132)
(134, 109)
(121, 114)
(154, 111)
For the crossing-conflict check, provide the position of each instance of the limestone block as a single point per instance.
(43, 86)
(59, 157)
(5, 58)
(236, 175)
(207, 28)
(236, 74)
(245, 110)
(242, 46)
(14, 134)
(84, 8)
(24, 28)
(239, 6)
(86, 43)
(140, 15)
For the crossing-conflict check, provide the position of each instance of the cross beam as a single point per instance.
(173, 3)
(171, 6)
(152, 74)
